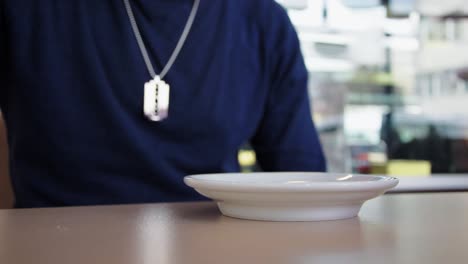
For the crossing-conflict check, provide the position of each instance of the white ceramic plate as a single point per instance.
(290, 196)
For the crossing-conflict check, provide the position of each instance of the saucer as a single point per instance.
(290, 196)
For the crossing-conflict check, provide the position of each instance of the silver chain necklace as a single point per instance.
(156, 91)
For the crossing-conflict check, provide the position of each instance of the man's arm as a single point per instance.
(286, 139)
(6, 194)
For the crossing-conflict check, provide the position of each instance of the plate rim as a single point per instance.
(195, 182)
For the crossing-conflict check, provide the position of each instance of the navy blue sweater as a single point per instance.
(71, 92)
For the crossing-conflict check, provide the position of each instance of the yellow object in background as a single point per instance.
(420, 168)
(247, 159)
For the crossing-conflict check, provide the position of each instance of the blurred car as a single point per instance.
(440, 140)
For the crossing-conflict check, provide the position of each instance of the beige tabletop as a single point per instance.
(401, 228)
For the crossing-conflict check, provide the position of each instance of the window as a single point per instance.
(390, 77)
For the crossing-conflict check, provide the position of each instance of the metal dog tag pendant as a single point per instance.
(156, 99)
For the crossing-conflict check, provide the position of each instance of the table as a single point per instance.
(397, 228)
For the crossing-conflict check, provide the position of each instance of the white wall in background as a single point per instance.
(344, 18)
(308, 18)
(441, 7)
(446, 106)
(295, 4)
(440, 56)
(368, 48)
